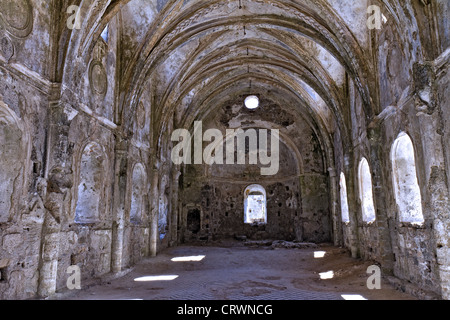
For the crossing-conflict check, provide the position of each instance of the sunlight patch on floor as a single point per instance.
(326, 275)
(319, 254)
(156, 278)
(353, 297)
(188, 259)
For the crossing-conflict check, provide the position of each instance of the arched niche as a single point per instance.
(193, 220)
(406, 185)
(255, 204)
(366, 192)
(91, 184)
(138, 188)
(13, 157)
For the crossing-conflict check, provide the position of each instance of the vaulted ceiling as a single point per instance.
(193, 56)
(198, 53)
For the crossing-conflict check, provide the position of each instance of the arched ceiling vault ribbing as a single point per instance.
(147, 64)
(310, 70)
(276, 53)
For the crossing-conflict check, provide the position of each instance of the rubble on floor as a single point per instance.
(272, 244)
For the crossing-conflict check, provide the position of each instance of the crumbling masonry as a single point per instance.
(91, 91)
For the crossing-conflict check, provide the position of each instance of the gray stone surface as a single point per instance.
(80, 112)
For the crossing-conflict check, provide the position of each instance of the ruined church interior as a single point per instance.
(98, 192)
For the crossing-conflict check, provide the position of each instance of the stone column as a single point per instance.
(334, 202)
(439, 207)
(353, 209)
(174, 207)
(50, 241)
(441, 198)
(120, 189)
(59, 182)
(154, 212)
(379, 187)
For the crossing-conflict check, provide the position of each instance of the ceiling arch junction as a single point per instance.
(194, 55)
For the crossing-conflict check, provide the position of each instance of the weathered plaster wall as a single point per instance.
(25, 33)
(47, 180)
(22, 123)
(79, 114)
(297, 195)
(411, 101)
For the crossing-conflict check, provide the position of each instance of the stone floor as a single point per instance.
(237, 272)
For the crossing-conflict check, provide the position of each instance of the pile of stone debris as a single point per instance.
(274, 244)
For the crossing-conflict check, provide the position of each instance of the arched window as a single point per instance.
(344, 200)
(406, 186)
(105, 34)
(139, 181)
(90, 187)
(255, 206)
(365, 192)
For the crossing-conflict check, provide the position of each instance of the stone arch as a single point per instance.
(255, 204)
(405, 182)
(138, 189)
(91, 184)
(12, 154)
(285, 142)
(366, 192)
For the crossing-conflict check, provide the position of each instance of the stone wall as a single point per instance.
(62, 161)
(23, 160)
(297, 195)
(86, 176)
(412, 102)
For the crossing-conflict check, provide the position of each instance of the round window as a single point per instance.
(252, 102)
